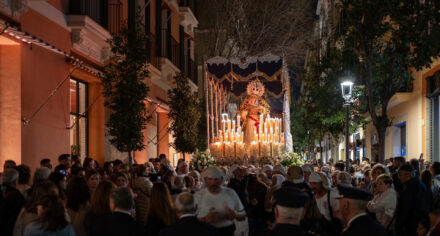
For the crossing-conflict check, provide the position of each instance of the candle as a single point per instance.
(233, 126)
(238, 121)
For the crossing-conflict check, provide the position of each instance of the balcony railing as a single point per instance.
(189, 3)
(95, 9)
(192, 71)
(114, 16)
(153, 55)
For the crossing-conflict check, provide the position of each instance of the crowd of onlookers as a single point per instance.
(84, 198)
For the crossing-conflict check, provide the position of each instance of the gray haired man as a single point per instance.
(11, 201)
(188, 224)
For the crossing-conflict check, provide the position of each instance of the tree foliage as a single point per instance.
(125, 90)
(385, 40)
(320, 111)
(185, 114)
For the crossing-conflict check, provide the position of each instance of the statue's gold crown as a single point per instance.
(255, 88)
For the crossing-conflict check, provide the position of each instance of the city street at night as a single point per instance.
(220, 117)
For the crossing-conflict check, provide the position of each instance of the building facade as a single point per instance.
(51, 53)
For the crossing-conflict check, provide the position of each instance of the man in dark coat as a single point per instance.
(188, 224)
(288, 210)
(119, 222)
(352, 205)
(414, 202)
(11, 201)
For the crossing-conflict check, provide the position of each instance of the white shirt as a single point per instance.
(207, 202)
(384, 205)
(323, 204)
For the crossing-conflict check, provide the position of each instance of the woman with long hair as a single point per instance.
(29, 212)
(99, 204)
(51, 219)
(78, 196)
(93, 177)
(162, 212)
(60, 180)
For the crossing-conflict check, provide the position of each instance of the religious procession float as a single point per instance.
(247, 108)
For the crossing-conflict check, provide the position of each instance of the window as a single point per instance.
(399, 139)
(78, 118)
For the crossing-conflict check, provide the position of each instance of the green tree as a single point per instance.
(125, 90)
(386, 38)
(185, 114)
(320, 111)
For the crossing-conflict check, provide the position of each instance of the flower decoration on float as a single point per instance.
(202, 160)
(290, 159)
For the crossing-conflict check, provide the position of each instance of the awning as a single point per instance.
(19, 35)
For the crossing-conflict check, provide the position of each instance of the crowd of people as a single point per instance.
(84, 198)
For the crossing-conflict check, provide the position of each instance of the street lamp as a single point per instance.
(346, 88)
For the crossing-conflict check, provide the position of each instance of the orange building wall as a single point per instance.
(36, 24)
(10, 103)
(61, 5)
(46, 136)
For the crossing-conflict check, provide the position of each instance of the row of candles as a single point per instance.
(267, 133)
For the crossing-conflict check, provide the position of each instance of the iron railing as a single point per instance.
(114, 16)
(153, 55)
(95, 9)
(189, 3)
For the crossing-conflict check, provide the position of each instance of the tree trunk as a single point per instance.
(381, 130)
(130, 166)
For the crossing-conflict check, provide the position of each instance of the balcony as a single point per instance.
(191, 4)
(174, 53)
(188, 15)
(402, 95)
(153, 55)
(191, 71)
(95, 9)
(114, 16)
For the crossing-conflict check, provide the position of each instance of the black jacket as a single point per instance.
(117, 223)
(189, 226)
(11, 202)
(364, 226)
(414, 203)
(283, 229)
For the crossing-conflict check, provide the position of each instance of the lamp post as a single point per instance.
(346, 88)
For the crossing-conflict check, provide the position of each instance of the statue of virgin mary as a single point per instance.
(250, 110)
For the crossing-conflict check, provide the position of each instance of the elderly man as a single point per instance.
(11, 201)
(188, 224)
(352, 205)
(218, 205)
(119, 222)
(289, 209)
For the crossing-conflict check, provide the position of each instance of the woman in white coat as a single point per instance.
(384, 202)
